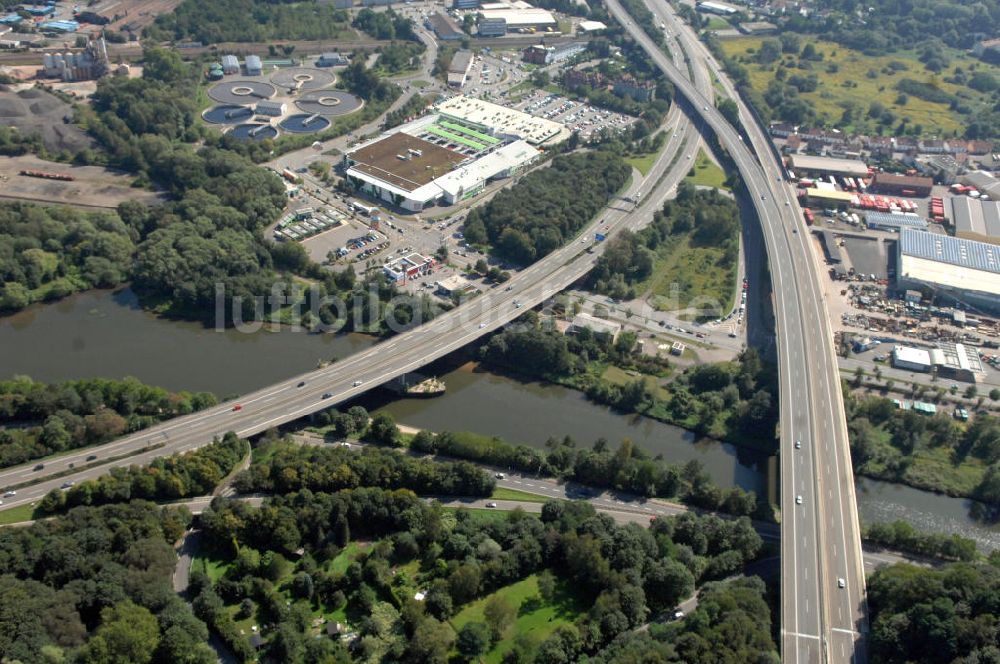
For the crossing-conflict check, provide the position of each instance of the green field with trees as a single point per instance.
(888, 69)
(687, 258)
(935, 453)
(730, 401)
(39, 419)
(488, 586)
(547, 207)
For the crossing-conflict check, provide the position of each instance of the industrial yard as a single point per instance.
(90, 187)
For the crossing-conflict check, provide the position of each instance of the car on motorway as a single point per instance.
(482, 325)
(302, 383)
(798, 500)
(40, 466)
(91, 457)
(841, 583)
(356, 383)
(237, 407)
(9, 494)
(500, 476)
(491, 504)
(66, 485)
(798, 444)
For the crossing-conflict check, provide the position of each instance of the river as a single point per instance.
(105, 333)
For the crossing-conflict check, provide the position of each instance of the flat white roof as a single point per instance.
(427, 192)
(500, 118)
(851, 167)
(521, 17)
(911, 355)
(471, 175)
(591, 26)
(948, 275)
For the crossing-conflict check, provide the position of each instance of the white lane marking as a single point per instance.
(803, 636)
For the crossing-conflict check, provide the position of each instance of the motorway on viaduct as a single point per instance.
(824, 612)
(823, 584)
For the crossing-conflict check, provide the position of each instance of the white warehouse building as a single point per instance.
(954, 269)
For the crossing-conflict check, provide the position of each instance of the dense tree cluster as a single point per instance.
(941, 615)
(183, 475)
(731, 624)
(386, 25)
(892, 25)
(52, 252)
(628, 468)
(706, 217)
(413, 106)
(547, 207)
(400, 56)
(38, 419)
(901, 536)
(624, 573)
(213, 21)
(94, 586)
(291, 467)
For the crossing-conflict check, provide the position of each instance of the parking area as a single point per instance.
(869, 256)
(578, 116)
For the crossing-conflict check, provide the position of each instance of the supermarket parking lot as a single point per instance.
(578, 116)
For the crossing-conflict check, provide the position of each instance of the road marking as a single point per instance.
(799, 635)
(843, 631)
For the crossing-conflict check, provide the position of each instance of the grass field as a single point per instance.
(502, 493)
(717, 23)
(851, 84)
(212, 566)
(685, 276)
(707, 173)
(643, 162)
(619, 376)
(17, 514)
(535, 623)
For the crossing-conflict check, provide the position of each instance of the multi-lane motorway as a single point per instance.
(314, 391)
(823, 584)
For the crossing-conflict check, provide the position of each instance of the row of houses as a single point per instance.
(812, 138)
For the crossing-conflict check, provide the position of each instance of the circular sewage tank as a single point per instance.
(304, 123)
(227, 114)
(329, 102)
(241, 92)
(303, 79)
(253, 132)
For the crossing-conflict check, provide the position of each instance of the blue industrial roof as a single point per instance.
(951, 250)
(65, 26)
(895, 220)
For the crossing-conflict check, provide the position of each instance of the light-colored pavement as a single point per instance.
(821, 550)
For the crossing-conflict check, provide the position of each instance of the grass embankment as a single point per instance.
(851, 78)
(17, 514)
(503, 493)
(536, 618)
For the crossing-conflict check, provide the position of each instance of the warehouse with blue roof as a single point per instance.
(953, 269)
(887, 221)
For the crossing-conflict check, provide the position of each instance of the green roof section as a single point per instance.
(478, 135)
(924, 407)
(461, 140)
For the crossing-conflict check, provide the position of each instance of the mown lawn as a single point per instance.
(851, 84)
(536, 620)
(643, 162)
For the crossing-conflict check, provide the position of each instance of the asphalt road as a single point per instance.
(821, 536)
(307, 393)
